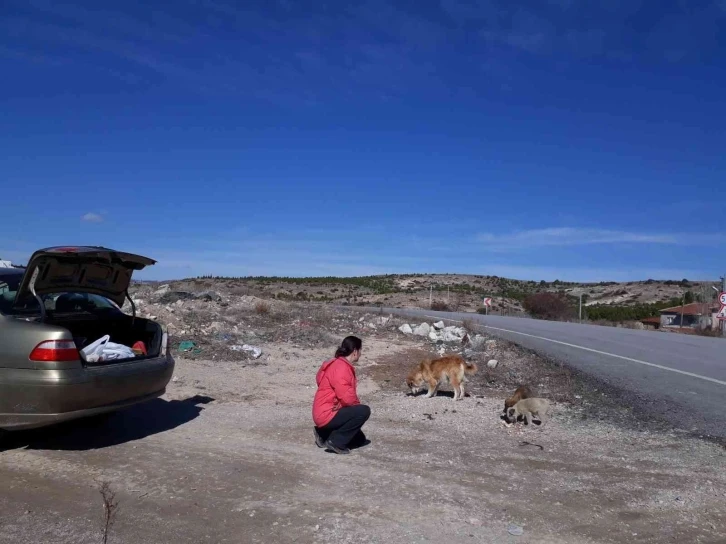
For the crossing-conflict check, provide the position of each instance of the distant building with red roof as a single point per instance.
(696, 314)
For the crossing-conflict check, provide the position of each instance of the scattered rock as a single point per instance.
(209, 296)
(254, 351)
(422, 330)
(478, 341)
(216, 327)
(451, 337)
(492, 363)
(406, 329)
(162, 289)
(515, 530)
(455, 332)
(169, 297)
(439, 325)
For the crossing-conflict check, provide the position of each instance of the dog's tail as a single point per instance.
(470, 368)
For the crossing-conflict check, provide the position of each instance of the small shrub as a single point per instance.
(262, 308)
(548, 306)
(708, 331)
(471, 325)
(439, 306)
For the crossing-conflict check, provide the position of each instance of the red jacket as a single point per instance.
(337, 386)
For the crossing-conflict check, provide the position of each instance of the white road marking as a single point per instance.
(661, 367)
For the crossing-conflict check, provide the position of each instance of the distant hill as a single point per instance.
(460, 292)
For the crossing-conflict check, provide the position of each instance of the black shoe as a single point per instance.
(331, 447)
(319, 442)
(359, 441)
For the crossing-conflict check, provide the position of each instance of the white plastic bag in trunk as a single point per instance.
(92, 352)
(103, 350)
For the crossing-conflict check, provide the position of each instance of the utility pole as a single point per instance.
(431, 295)
(683, 301)
(723, 290)
(580, 307)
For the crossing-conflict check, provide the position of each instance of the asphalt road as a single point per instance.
(679, 378)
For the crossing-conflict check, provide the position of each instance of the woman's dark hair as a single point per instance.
(348, 346)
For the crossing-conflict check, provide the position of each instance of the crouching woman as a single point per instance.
(338, 414)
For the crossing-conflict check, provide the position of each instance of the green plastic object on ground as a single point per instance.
(188, 345)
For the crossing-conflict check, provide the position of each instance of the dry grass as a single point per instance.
(471, 326)
(635, 325)
(262, 308)
(240, 291)
(714, 333)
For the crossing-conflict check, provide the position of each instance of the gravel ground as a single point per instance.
(227, 456)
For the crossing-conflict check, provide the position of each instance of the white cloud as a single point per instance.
(572, 236)
(91, 217)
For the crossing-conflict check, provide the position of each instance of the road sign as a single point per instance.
(488, 302)
(722, 313)
(722, 299)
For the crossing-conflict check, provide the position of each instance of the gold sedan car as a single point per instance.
(65, 300)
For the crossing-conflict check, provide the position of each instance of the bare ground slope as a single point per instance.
(227, 456)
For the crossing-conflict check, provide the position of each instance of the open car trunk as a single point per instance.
(82, 289)
(122, 328)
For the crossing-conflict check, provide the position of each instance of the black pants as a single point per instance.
(344, 430)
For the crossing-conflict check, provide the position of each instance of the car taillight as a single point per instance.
(55, 350)
(164, 344)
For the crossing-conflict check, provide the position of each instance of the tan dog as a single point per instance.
(432, 373)
(528, 408)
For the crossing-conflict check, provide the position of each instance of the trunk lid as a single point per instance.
(81, 269)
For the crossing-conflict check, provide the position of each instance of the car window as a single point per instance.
(56, 302)
(76, 302)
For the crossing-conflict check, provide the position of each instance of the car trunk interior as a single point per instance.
(122, 329)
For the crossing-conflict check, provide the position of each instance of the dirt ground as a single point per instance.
(227, 455)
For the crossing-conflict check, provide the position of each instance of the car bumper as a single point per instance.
(36, 398)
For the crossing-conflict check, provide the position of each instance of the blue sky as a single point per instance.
(534, 139)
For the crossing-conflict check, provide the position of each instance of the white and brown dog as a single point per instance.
(530, 407)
